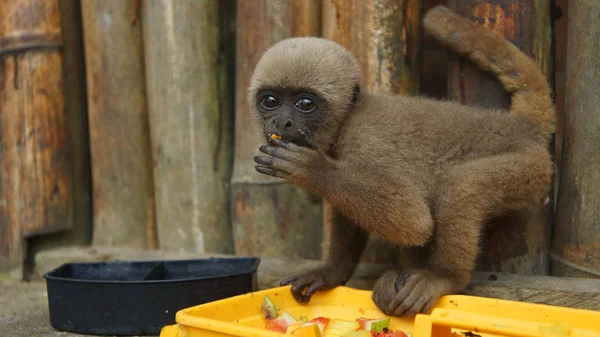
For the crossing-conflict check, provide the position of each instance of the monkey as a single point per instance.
(421, 173)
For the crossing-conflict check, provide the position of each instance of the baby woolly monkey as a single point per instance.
(420, 173)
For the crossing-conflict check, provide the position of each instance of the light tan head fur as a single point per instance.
(314, 64)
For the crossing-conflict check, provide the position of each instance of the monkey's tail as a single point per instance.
(489, 50)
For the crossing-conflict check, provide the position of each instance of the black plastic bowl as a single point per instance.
(139, 298)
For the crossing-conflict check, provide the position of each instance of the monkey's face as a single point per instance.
(303, 86)
(287, 112)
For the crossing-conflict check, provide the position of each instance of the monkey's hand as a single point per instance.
(404, 294)
(320, 278)
(304, 166)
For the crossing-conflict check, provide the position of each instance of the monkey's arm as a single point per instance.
(347, 243)
(380, 200)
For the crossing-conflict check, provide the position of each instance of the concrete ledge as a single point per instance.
(576, 293)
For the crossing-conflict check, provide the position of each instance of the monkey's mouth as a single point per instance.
(271, 137)
(286, 138)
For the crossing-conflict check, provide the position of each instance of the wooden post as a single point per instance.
(517, 243)
(188, 74)
(270, 217)
(576, 240)
(387, 43)
(35, 162)
(76, 113)
(75, 105)
(118, 123)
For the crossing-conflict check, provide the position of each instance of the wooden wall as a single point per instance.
(132, 128)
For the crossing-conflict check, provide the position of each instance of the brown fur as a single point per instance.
(421, 173)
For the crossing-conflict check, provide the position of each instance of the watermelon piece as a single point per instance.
(322, 322)
(281, 323)
(276, 325)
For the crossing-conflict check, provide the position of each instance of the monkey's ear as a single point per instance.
(355, 94)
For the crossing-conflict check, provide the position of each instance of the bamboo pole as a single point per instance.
(188, 74)
(118, 123)
(387, 44)
(35, 162)
(270, 217)
(520, 242)
(576, 240)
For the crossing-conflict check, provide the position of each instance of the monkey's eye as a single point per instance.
(305, 105)
(269, 102)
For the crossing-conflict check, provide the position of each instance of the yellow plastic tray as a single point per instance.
(241, 316)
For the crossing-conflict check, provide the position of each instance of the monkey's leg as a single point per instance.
(347, 243)
(471, 193)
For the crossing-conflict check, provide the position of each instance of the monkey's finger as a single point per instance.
(428, 305)
(309, 142)
(298, 288)
(316, 285)
(272, 172)
(409, 308)
(287, 145)
(384, 290)
(265, 149)
(414, 302)
(265, 170)
(402, 294)
(277, 152)
(266, 161)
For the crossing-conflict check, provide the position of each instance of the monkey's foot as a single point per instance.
(404, 294)
(321, 278)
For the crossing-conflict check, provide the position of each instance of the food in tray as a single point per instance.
(284, 322)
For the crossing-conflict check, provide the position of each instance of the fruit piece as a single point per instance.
(292, 327)
(274, 136)
(276, 325)
(281, 323)
(286, 318)
(375, 325)
(363, 322)
(305, 329)
(268, 308)
(322, 322)
(359, 333)
(380, 324)
(339, 327)
(321, 319)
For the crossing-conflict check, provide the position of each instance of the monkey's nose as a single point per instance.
(282, 126)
